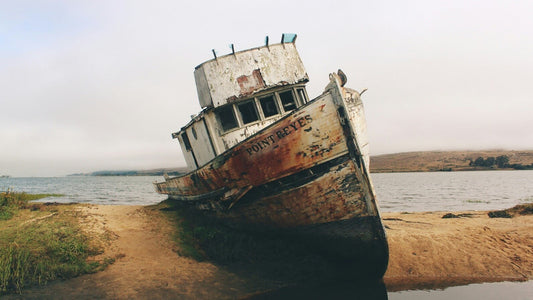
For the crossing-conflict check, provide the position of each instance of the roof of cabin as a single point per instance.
(239, 75)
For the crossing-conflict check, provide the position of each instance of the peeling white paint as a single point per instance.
(235, 76)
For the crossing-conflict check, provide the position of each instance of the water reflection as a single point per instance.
(332, 290)
(485, 291)
(377, 290)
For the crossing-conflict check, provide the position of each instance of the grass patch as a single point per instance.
(476, 201)
(521, 209)
(11, 202)
(499, 214)
(451, 215)
(40, 243)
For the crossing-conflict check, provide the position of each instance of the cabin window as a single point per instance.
(248, 112)
(194, 133)
(227, 118)
(268, 104)
(186, 141)
(301, 94)
(287, 100)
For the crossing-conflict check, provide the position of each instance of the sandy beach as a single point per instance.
(426, 251)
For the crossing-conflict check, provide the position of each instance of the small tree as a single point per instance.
(479, 162)
(490, 161)
(502, 161)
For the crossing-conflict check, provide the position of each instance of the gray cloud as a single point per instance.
(101, 85)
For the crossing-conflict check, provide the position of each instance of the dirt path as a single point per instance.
(425, 251)
(146, 266)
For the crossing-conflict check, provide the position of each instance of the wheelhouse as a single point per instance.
(242, 93)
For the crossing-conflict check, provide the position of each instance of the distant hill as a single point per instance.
(422, 161)
(447, 161)
(152, 172)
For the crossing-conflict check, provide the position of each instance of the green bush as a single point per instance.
(11, 202)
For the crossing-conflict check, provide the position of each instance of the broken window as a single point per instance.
(227, 118)
(186, 141)
(268, 104)
(287, 100)
(301, 94)
(248, 112)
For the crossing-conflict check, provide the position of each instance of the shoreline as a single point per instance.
(426, 252)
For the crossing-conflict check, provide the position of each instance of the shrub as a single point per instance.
(40, 245)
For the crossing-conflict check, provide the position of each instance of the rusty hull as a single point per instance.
(304, 175)
(297, 142)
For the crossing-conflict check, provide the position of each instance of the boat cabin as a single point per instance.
(240, 94)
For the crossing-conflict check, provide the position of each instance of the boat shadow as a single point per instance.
(304, 277)
(268, 264)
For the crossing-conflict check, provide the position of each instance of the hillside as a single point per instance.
(153, 172)
(444, 160)
(422, 161)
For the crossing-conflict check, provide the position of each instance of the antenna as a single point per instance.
(214, 53)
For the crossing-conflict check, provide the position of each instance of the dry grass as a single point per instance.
(518, 210)
(441, 160)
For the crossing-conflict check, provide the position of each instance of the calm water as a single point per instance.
(377, 291)
(453, 191)
(485, 291)
(439, 191)
(90, 189)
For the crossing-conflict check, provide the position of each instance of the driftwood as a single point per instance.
(38, 219)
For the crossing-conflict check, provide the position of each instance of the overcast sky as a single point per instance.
(92, 85)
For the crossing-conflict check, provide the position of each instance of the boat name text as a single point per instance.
(280, 134)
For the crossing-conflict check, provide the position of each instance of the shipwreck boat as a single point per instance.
(262, 155)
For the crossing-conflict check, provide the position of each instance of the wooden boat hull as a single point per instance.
(306, 175)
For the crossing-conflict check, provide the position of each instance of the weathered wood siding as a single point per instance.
(335, 195)
(356, 114)
(236, 76)
(201, 142)
(187, 154)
